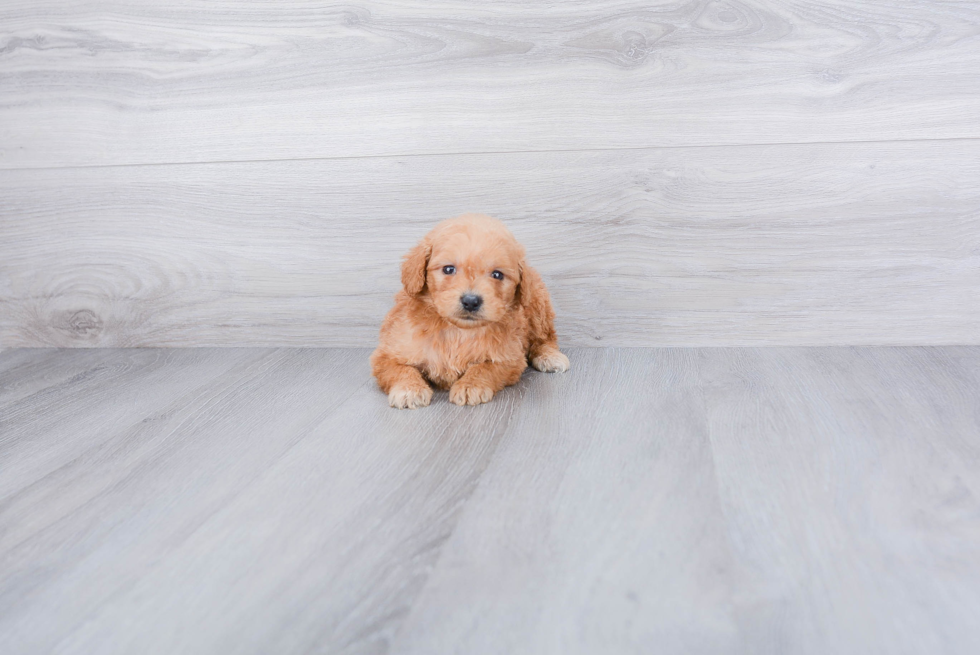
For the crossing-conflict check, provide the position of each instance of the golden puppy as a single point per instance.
(469, 318)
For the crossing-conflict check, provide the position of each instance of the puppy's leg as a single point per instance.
(543, 348)
(547, 358)
(480, 381)
(405, 386)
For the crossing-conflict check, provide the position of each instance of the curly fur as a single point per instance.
(428, 337)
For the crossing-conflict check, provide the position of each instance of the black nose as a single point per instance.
(471, 302)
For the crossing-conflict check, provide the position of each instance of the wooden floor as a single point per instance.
(782, 500)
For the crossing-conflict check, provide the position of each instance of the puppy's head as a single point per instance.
(468, 268)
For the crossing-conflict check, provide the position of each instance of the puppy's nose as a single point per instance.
(471, 302)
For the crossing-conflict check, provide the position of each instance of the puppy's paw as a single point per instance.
(410, 397)
(465, 393)
(550, 360)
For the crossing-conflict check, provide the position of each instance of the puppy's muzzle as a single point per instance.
(471, 302)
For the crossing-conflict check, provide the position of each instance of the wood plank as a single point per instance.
(289, 511)
(27, 371)
(809, 244)
(936, 399)
(853, 526)
(596, 529)
(88, 531)
(99, 82)
(37, 440)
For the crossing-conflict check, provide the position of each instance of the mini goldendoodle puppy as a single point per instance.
(470, 317)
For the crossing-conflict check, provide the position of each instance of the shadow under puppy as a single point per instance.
(469, 318)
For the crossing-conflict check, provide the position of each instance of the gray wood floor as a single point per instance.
(717, 500)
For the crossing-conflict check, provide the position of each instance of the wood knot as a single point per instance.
(635, 47)
(84, 322)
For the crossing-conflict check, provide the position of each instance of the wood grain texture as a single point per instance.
(249, 473)
(809, 244)
(36, 427)
(596, 529)
(839, 469)
(141, 487)
(784, 500)
(102, 82)
(24, 371)
(722, 501)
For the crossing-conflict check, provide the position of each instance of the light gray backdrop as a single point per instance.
(682, 173)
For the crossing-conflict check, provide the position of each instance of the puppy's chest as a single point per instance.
(444, 355)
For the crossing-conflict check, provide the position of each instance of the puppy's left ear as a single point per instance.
(414, 267)
(521, 293)
(532, 296)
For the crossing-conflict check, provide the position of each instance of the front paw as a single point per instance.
(550, 360)
(410, 397)
(465, 393)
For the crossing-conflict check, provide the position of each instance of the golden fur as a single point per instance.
(429, 336)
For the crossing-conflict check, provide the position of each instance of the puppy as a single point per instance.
(470, 316)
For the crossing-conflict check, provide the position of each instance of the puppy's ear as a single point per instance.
(533, 296)
(414, 267)
(523, 292)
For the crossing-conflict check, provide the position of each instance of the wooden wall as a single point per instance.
(682, 173)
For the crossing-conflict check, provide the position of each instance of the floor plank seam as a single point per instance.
(473, 153)
(719, 498)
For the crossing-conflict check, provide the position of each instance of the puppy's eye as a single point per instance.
(497, 275)
(448, 270)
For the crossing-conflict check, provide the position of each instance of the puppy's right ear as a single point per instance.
(414, 267)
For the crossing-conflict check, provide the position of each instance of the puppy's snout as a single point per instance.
(471, 302)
